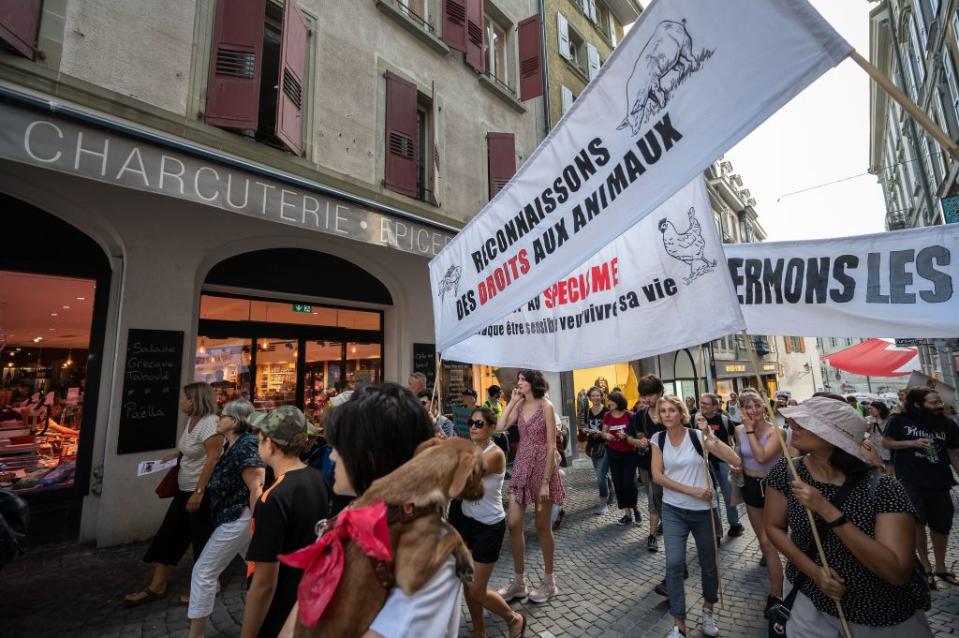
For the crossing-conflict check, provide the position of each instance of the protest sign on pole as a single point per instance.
(690, 80)
(659, 287)
(894, 284)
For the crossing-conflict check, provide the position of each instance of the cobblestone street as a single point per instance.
(605, 575)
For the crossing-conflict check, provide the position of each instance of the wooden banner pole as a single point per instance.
(903, 100)
(792, 470)
(709, 481)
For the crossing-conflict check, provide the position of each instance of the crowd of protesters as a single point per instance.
(878, 488)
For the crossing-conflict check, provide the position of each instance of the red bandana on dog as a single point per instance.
(322, 562)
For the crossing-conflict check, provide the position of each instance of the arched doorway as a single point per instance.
(54, 284)
(685, 377)
(268, 331)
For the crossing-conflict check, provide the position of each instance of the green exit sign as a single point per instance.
(302, 307)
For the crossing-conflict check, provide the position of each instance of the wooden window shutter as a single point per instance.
(233, 92)
(592, 60)
(501, 153)
(567, 98)
(291, 99)
(788, 342)
(19, 23)
(802, 344)
(454, 24)
(400, 168)
(474, 34)
(530, 58)
(562, 34)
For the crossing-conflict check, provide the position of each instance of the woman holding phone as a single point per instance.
(535, 480)
(623, 458)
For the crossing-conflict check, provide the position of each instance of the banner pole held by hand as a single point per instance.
(792, 470)
(713, 513)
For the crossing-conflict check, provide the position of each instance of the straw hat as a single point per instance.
(833, 421)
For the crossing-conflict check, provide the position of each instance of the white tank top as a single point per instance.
(489, 509)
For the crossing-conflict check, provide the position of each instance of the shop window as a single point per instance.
(225, 365)
(45, 334)
(243, 309)
(258, 71)
(275, 373)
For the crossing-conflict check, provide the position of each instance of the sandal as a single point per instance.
(522, 627)
(148, 596)
(949, 577)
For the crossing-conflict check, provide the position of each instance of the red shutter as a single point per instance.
(19, 23)
(289, 108)
(454, 24)
(501, 151)
(474, 34)
(233, 92)
(400, 169)
(530, 58)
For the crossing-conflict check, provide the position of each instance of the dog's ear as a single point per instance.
(466, 463)
(425, 445)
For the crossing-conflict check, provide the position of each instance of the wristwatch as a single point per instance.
(842, 520)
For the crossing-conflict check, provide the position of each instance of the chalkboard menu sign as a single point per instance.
(424, 360)
(150, 408)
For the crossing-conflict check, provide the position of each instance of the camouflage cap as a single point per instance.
(282, 425)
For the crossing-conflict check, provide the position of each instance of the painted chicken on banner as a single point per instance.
(689, 81)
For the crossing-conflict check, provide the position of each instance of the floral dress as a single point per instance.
(530, 462)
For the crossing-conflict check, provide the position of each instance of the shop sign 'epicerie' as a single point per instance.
(689, 81)
(91, 153)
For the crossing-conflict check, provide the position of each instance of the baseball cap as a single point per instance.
(834, 421)
(282, 425)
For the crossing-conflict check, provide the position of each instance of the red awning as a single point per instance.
(875, 358)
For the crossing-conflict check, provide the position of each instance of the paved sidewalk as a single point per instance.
(605, 575)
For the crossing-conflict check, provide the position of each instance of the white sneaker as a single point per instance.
(675, 633)
(709, 624)
(544, 592)
(600, 510)
(515, 589)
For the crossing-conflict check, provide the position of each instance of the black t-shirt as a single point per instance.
(642, 424)
(721, 429)
(594, 421)
(869, 599)
(921, 467)
(285, 521)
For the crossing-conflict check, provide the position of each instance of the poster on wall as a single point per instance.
(150, 404)
(424, 360)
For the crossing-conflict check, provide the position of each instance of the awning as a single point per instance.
(875, 358)
(118, 153)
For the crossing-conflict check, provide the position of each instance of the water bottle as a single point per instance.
(931, 452)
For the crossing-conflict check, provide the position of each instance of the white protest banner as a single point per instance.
(896, 284)
(661, 286)
(689, 81)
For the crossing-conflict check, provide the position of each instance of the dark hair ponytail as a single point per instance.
(853, 467)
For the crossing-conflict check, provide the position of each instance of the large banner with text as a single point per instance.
(896, 284)
(659, 287)
(690, 80)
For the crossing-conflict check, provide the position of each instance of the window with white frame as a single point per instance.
(578, 51)
(497, 61)
(921, 22)
(417, 10)
(950, 71)
(916, 51)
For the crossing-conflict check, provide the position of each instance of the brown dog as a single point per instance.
(440, 470)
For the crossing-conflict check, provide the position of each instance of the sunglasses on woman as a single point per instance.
(477, 424)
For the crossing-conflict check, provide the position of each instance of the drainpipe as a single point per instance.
(545, 67)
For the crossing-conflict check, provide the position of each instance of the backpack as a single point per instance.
(661, 441)
(14, 520)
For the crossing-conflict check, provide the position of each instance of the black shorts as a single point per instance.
(933, 507)
(754, 491)
(484, 541)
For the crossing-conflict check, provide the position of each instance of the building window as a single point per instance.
(950, 71)
(497, 58)
(916, 51)
(418, 11)
(258, 73)
(833, 342)
(409, 154)
(572, 45)
(568, 97)
(604, 20)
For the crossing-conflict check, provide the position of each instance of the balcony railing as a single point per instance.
(422, 22)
